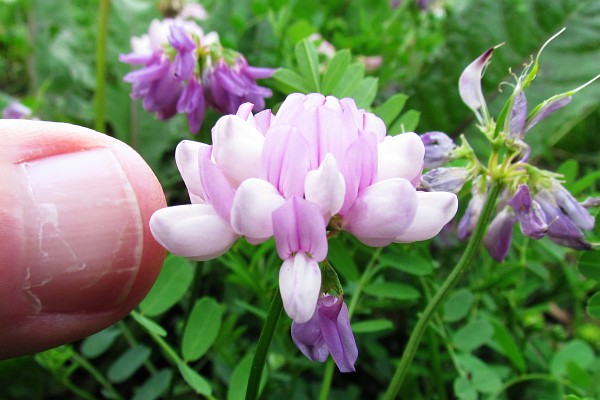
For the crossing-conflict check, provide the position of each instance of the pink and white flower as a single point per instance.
(319, 166)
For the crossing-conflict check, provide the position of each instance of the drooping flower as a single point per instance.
(529, 213)
(499, 235)
(317, 167)
(438, 149)
(327, 332)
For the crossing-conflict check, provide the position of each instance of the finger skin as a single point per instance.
(47, 315)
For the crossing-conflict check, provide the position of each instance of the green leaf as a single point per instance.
(155, 386)
(507, 343)
(406, 123)
(413, 264)
(95, 345)
(194, 379)
(372, 326)
(289, 81)
(393, 290)
(589, 265)
(458, 305)
(365, 92)
(149, 324)
(128, 363)
(300, 30)
(593, 306)
(172, 283)
(201, 329)
(308, 64)
(349, 80)
(239, 379)
(473, 335)
(584, 183)
(569, 170)
(391, 108)
(463, 389)
(576, 351)
(483, 378)
(335, 70)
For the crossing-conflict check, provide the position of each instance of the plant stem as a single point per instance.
(327, 378)
(537, 377)
(89, 367)
(266, 335)
(436, 301)
(100, 95)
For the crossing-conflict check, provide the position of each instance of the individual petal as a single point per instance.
(237, 146)
(499, 235)
(359, 167)
(561, 229)
(518, 116)
(217, 190)
(326, 187)
(252, 209)
(263, 120)
(382, 212)
(467, 223)
(186, 157)
(400, 156)
(194, 231)
(529, 213)
(285, 160)
(337, 333)
(545, 110)
(298, 226)
(308, 338)
(300, 285)
(571, 207)
(434, 211)
(469, 83)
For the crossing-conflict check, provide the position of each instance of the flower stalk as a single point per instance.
(266, 335)
(100, 95)
(423, 322)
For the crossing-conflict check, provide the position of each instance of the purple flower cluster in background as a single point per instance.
(185, 71)
(17, 110)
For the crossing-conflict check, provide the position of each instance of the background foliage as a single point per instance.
(527, 328)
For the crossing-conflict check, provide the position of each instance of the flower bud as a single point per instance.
(449, 179)
(438, 149)
(529, 213)
(499, 235)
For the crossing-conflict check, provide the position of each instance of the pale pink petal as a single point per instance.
(237, 146)
(245, 111)
(186, 158)
(300, 285)
(263, 120)
(400, 156)
(253, 206)
(434, 211)
(382, 211)
(194, 231)
(285, 160)
(372, 123)
(298, 226)
(326, 187)
(469, 83)
(217, 190)
(359, 167)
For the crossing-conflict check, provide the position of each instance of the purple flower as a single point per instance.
(529, 213)
(191, 102)
(499, 235)
(327, 332)
(185, 59)
(228, 87)
(16, 111)
(518, 116)
(469, 219)
(438, 149)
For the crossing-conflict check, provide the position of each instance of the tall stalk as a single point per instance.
(423, 322)
(101, 40)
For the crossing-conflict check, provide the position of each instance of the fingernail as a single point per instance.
(83, 231)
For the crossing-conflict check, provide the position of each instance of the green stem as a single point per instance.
(100, 95)
(364, 280)
(436, 301)
(97, 375)
(537, 377)
(266, 335)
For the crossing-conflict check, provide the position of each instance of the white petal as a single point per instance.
(186, 158)
(193, 230)
(400, 156)
(253, 204)
(435, 210)
(300, 284)
(326, 187)
(382, 211)
(237, 146)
